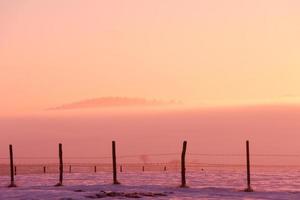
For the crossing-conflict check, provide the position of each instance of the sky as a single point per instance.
(171, 59)
(203, 53)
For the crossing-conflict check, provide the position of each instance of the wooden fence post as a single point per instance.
(12, 173)
(95, 169)
(248, 189)
(165, 168)
(115, 181)
(183, 180)
(61, 165)
(44, 168)
(143, 168)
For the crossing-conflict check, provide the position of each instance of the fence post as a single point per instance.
(12, 173)
(70, 169)
(165, 168)
(183, 180)
(143, 168)
(61, 165)
(248, 189)
(44, 169)
(15, 170)
(115, 181)
(95, 169)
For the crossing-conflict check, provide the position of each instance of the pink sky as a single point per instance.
(271, 130)
(207, 55)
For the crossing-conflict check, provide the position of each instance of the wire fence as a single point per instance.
(39, 165)
(15, 166)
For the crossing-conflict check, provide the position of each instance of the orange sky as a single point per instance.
(203, 53)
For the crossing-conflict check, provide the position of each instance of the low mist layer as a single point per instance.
(270, 129)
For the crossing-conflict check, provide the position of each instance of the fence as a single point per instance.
(62, 167)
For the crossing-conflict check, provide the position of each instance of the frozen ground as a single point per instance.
(208, 184)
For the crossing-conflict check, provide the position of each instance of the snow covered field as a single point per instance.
(208, 184)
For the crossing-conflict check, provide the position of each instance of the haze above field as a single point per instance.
(271, 130)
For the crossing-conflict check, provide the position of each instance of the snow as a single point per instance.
(207, 184)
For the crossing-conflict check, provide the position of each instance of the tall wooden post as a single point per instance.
(183, 180)
(12, 173)
(248, 189)
(61, 165)
(115, 181)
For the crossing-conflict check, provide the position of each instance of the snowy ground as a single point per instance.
(208, 184)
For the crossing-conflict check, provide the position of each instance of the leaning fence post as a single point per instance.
(115, 181)
(61, 166)
(183, 181)
(12, 173)
(248, 189)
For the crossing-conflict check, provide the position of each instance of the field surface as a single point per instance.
(207, 184)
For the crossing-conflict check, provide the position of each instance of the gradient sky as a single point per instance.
(213, 56)
(203, 53)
